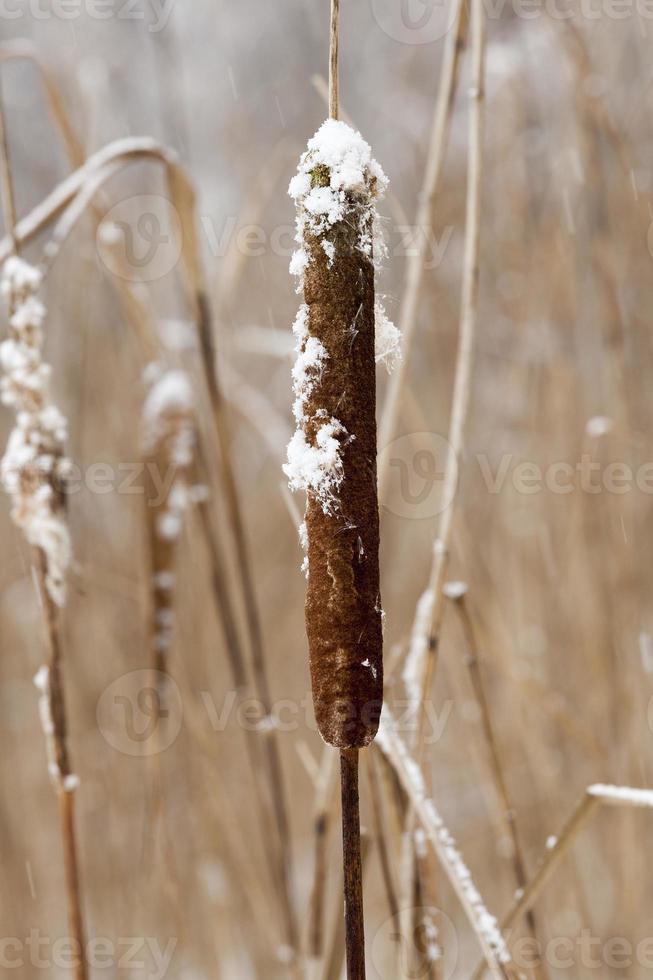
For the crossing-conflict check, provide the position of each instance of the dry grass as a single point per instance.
(238, 864)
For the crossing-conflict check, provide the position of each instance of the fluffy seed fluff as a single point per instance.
(34, 466)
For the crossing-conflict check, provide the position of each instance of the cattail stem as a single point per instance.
(65, 795)
(60, 772)
(501, 786)
(8, 202)
(334, 96)
(66, 801)
(353, 874)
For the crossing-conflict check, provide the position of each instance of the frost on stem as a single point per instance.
(437, 832)
(34, 467)
(68, 782)
(168, 441)
(340, 333)
(626, 795)
(415, 664)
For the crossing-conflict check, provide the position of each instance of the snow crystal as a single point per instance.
(387, 339)
(329, 250)
(42, 684)
(307, 372)
(303, 535)
(433, 949)
(336, 176)
(455, 590)
(317, 468)
(622, 794)
(172, 392)
(177, 335)
(598, 426)
(337, 179)
(164, 581)
(298, 263)
(415, 664)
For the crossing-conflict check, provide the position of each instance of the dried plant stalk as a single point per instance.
(333, 457)
(333, 453)
(33, 472)
(343, 615)
(168, 440)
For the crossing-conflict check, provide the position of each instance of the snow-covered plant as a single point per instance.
(34, 466)
(168, 442)
(341, 332)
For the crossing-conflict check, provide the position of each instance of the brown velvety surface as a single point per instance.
(343, 606)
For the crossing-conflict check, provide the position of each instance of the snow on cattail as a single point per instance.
(168, 442)
(340, 333)
(34, 465)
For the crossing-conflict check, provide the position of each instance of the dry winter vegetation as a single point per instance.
(185, 823)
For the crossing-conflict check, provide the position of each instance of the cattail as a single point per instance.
(34, 465)
(341, 333)
(33, 473)
(332, 455)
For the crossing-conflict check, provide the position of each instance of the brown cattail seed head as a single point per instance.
(333, 453)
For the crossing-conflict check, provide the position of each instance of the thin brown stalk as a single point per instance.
(65, 782)
(380, 835)
(66, 803)
(322, 824)
(501, 787)
(23, 50)
(353, 871)
(585, 809)
(65, 792)
(256, 752)
(409, 774)
(461, 391)
(416, 260)
(8, 203)
(334, 97)
(332, 968)
(259, 670)
(468, 316)
(182, 195)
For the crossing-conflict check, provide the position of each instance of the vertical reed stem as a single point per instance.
(334, 97)
(66, 801)
(65, 793)
(353, 872)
